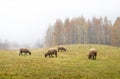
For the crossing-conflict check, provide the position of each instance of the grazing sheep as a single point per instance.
(50, 53)
(92, 53)
(25, 51)
(61, 49)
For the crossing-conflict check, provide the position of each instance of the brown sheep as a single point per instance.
(25, 51)
(50, 53)
(92, 54)
(61, 49)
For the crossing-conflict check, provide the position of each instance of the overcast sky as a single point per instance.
(25, 21)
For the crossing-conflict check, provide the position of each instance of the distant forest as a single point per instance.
(81, 31)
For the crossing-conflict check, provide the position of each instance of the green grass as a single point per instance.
(72, 64)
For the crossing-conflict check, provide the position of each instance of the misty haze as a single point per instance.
(25, 23)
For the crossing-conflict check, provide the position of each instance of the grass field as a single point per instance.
(72, 64)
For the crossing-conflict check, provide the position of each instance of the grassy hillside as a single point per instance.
(72, 64)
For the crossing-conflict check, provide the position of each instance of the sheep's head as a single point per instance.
(46, 55)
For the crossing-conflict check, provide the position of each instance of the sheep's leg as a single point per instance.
(92, 57)
(95, 57)
(25, 54)
(56, 54)
(51, 55)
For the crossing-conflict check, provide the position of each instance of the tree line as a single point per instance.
(81, 31)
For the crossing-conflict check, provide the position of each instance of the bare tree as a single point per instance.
(116, 32)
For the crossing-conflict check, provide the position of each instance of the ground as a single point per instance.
(72, 64)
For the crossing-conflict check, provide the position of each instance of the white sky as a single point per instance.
(26, 20)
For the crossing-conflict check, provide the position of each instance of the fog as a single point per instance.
(24, 22)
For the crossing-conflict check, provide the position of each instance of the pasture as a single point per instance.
(72, 64)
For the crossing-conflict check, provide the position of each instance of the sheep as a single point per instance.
(61, 48)
(92, 53)
(50, 53)
(24, 50)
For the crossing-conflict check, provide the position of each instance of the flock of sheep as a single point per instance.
(92, 53)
